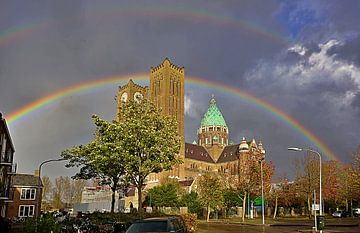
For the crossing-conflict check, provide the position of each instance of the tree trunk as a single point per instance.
(275, 210)
(309, 207)
(208, 213)
(244, 205)
(346, 205)
(113, 201)
(139, 198)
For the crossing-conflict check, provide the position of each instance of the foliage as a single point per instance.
(190, 222)
(331, 179)
(164, 195)
(149, 140)
(102, 158)
(307, 178)
(192, 202)
(211, 192)
(249, 181)
(45, 224)
(231, 199)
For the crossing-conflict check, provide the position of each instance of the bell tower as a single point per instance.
(131, 91)
(167, 94)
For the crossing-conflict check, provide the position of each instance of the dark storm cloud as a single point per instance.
(236, 43)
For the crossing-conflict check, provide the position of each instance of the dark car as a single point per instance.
(340, 214)
(161, 224)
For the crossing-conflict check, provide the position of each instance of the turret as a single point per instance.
(243, 147)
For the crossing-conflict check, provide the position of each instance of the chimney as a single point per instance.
(36, 172)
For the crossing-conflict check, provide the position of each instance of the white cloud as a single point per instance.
(319, 74)
(299, 49)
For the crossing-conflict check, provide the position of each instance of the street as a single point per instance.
(226, 227)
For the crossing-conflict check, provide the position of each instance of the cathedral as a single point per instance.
(212, 151)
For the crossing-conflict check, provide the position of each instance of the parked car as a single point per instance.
(160, 224)
(356, 212)
(340, 214)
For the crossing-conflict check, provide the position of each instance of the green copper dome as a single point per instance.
(213, 116)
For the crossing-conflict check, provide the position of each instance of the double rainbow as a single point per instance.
(253, 100)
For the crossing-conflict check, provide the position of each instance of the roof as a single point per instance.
(229, 154)
(26, 180)
(186, 183)
(197, 152)
(213, 116)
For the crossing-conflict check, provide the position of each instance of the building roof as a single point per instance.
(26, 180)
(197, 152)
(229, 154)
(213, 116)
(186, 183)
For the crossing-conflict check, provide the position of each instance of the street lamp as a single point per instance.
(262, 191)
(317, 153)
(41, 164)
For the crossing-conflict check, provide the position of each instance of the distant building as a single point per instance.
(7, 167)
(27, 196)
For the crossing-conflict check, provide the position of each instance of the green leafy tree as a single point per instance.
(211, 192)
(164, 195)
(143, 142)
(150, 142)
(102, 158)
(192, 202)
(232, 199)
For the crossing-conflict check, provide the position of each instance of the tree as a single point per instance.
(249, 182)
(307, 178)
(102, 158)
(282, 194)
(77, 186)
(164, 195)
(47, 187)
(331, 181)
(211, 192)
(143, 142)
(58, 193)
(192, 202)
(149, 140)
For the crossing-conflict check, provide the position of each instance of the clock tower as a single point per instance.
(130, 91)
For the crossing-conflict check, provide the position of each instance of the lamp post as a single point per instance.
(318, 154)
(41, 164)
(262, 191)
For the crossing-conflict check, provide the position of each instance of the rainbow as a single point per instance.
(95, 84)
(194, 15)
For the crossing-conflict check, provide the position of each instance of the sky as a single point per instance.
(303, 57)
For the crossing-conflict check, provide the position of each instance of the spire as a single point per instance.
(213, 116)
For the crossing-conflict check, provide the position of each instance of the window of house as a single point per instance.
(28, 194)
(26, 210)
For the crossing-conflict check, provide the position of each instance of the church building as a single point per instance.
(212, 151)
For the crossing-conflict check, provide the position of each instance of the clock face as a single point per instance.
(138, 97)
(124, 97)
